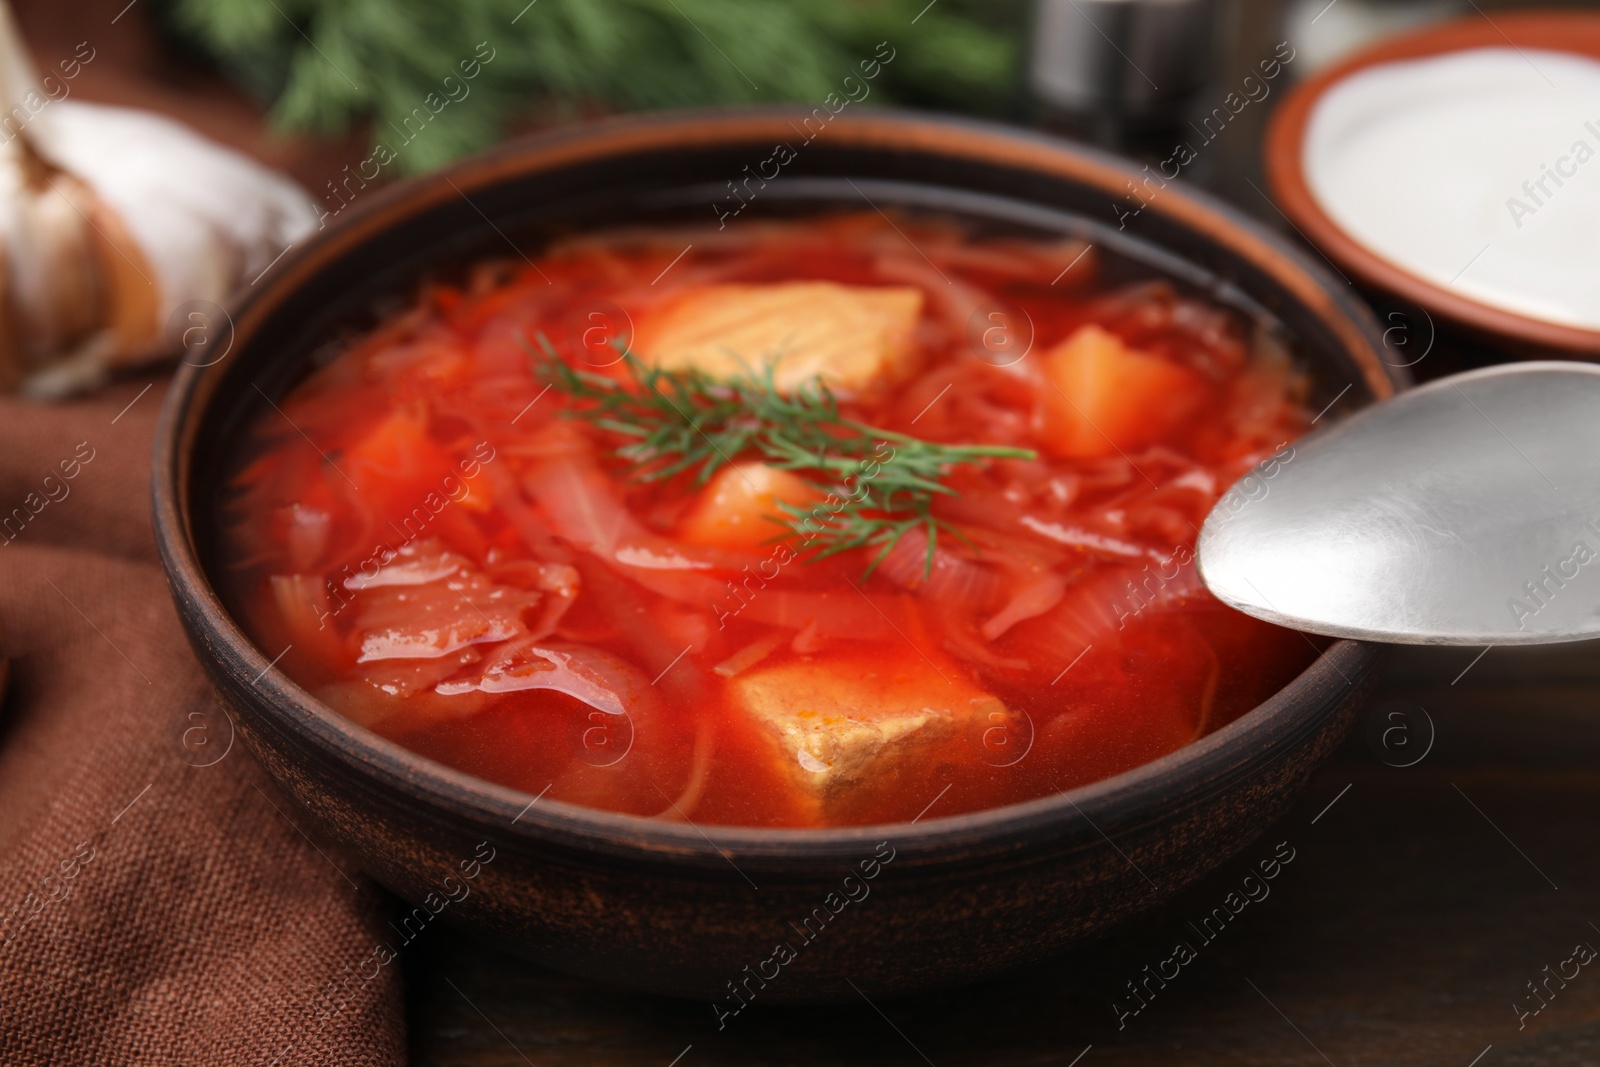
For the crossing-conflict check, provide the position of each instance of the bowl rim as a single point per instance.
(1200, 767)
(1574, 32)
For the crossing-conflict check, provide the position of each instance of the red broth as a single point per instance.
(447, 549)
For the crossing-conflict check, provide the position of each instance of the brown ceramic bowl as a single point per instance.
(684, 909)
(1560, 31)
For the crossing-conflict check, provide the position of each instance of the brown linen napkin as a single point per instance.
(158, 904)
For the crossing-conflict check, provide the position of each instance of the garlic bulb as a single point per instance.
(111, 219)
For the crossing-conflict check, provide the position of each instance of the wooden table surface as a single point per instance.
(1421, 901)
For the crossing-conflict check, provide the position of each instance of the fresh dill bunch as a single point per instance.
(686, 422)
(335, 65)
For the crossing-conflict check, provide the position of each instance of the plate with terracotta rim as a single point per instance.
(1573, 32)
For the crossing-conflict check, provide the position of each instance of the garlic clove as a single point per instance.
(111, 219)
(53, 288)
(205, 218)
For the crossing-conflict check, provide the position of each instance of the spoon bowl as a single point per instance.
(1465, 512)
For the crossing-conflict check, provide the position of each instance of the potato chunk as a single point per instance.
(736, 508)
(853, 337)
(842, 721)
(1114, 398)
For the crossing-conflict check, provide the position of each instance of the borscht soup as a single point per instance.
(823, 522)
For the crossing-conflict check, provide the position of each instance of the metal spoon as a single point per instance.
(1465, 512)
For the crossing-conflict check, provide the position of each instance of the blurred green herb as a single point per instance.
(329, 65)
